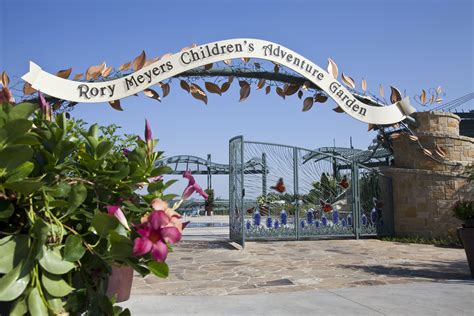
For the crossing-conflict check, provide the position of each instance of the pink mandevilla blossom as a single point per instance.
(192, 186)
(148, 136)
(156, 231)
(115, 210)
(160, 205)
(155, 179)
(45, 107)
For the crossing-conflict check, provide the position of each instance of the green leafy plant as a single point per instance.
(209, 204)
(464, 210)
(67, 194)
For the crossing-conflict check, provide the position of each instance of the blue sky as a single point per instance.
(409, 44)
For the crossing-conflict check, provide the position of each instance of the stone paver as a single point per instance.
(213, 267)
(421, 298)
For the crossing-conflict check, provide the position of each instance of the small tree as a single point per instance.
(209, 204)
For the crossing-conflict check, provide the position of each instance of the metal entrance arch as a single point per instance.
(325, 195)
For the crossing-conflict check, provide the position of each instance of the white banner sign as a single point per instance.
(170, 66)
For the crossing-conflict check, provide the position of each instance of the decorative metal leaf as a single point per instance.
(291, 89)
(439, 100)
(306, 85)
(432, 99)
(116, 105)
(188, 47)
(139, 61)
(106, 72)
(198, 93)
(77, 76)
(395, 96)
(427, 152)
(243, 83)
(244, 90)
(370, 127)
(64, 73)
(364, 85)
(228, 61)
(152, 94)
(257, 65)
(245, 59)
(348, 81)
(213, 88)
(300, 94)
(165, 56)
(381, 91)
(208, 66)
(338, 110)
(423, 97)
(440, 151)
(280, 92)
(5, 79)
(308, 104)
(184, 85)
(276, 69)
(413, 138)
(320, 98)
(125, 66)
(439, 90)
(28, 89)
(94, 71)
(332, 68)
(165, 87)
(150, 61)
(261, 83)
(225, 86)
(395, 135)
(268, 89)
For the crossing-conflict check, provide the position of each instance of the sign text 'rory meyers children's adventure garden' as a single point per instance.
(172, 65)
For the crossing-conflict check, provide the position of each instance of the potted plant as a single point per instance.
(73, 216)
(209, 204)
(464, 210)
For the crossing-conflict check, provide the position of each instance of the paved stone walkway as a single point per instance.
(213, 267)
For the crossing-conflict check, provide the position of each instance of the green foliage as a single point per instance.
(56, 239)
(464, 210)
(449, 241)
(160, 269)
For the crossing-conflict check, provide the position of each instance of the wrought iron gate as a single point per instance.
(285, 192)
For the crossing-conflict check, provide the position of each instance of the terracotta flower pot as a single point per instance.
(120, 283)
(466, 234)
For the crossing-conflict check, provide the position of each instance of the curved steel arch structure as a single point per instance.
(197, 165)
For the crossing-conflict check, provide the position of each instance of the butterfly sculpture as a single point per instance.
(325, 206)
(279, 187)
(344, 183)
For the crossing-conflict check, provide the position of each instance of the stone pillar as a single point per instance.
(424, 189)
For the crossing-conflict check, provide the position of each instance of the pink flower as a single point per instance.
(155, 233)
(192, 186)
(160, 205)
(148, 137)
(155, 179)
(115, 210)
(126, 152)
(45, 107)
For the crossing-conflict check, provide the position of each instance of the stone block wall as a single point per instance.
(424, 189)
